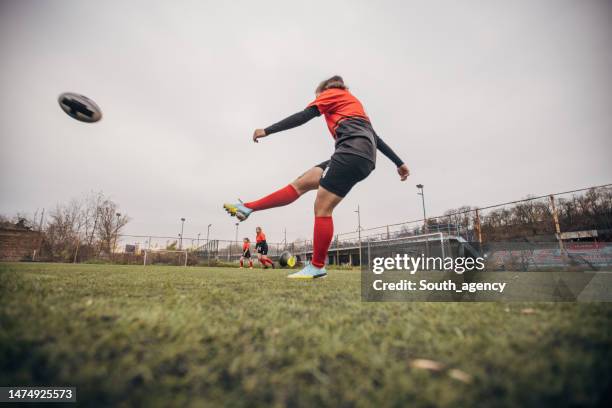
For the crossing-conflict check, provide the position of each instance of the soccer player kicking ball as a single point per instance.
(353, 160)
(246, 253)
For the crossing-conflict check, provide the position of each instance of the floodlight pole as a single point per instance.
(181, 236)
(359, 232)
(116, 232)
(422, 194)
(208, 243)
(425, 226)
(229, 255)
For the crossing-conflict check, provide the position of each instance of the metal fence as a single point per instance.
(163, 249)
(588, 209)
(570, 216)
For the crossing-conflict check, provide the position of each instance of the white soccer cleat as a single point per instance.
(309, 272)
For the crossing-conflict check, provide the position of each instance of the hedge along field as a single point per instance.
(172, 336)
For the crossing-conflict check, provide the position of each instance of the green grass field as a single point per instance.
(170, 336)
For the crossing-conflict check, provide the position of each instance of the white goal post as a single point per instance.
(149, 252)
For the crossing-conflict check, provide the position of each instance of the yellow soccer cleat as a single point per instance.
(238, 210)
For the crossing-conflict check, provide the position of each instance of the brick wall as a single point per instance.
(17, 245)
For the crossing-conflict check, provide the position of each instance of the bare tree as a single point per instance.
(462, 218)
(76, 230)
(110, 224)
(62, 231)
(92, 203)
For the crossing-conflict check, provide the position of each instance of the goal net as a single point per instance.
(165, 257)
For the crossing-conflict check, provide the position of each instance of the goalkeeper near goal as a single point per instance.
(353, 160)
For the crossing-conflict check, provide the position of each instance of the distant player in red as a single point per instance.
(261, 246)
(246, 253)
(353, 160)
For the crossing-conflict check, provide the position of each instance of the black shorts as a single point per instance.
(343, 171)
(246, 254)
(262, 248)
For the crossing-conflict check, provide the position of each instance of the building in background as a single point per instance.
(18, 242)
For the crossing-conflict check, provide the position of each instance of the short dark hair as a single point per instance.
(334, 82)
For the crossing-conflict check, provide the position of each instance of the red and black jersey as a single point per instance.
(261, 246)
(347, 122)
(337, 105)
(246, 249)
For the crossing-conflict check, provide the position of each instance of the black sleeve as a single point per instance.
(294, 120)
(387, 151)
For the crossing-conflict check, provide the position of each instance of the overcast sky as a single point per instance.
(486, 101)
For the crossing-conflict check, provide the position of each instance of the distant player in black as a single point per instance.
(261, 246)
(246, 253)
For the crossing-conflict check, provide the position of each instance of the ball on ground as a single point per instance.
(286, 259)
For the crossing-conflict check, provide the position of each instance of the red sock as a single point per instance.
(284, 196)
(266, 261)
(323, 233)
(250, 263)
(241, 262)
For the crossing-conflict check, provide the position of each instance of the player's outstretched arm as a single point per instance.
(295, 120)
(384, 148)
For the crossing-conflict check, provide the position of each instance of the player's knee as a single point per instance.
(323, 208)
(323, 212)
(308, 181)
(303, 185)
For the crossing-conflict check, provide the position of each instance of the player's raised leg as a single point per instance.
(286, 195)
(323, 233)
